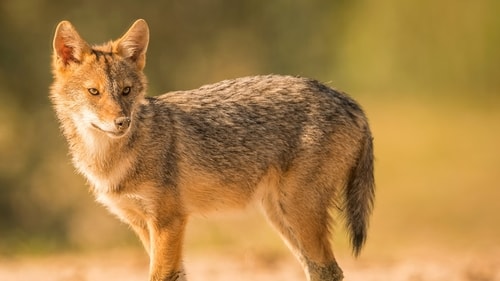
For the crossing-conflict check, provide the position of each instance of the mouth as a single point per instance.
(113, 134)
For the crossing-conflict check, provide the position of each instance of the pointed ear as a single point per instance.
(68, 45)
(134, 43)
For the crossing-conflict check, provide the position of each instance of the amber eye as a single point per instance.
(93, 91)
(126, 91)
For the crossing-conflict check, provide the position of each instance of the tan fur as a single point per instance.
(292, 144)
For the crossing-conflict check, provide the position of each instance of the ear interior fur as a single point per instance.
(70, 47)
(134, 43)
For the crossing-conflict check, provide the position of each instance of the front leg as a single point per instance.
(166, 236)
(141, 229)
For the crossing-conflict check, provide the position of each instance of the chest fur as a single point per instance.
(131, 206)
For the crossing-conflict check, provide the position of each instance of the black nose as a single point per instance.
(122, 123)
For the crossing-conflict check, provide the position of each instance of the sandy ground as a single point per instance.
(133, 267)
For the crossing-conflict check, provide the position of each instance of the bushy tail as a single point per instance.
(359, 194)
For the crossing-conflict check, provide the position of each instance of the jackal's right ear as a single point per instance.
(68, 45)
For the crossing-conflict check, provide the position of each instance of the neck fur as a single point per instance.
(103, 160)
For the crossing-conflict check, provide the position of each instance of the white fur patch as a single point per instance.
(97, 152)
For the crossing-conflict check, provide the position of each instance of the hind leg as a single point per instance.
(302, 219)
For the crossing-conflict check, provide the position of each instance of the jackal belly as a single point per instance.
(204, 193)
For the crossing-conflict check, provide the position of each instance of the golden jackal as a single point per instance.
(292, 144)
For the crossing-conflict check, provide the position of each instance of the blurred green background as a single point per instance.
(426, 72)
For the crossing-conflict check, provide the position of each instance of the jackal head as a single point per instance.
(98, 88)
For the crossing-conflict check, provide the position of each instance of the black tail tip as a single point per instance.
(357, 243)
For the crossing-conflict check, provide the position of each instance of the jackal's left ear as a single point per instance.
(134, 43)
(68, 45)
